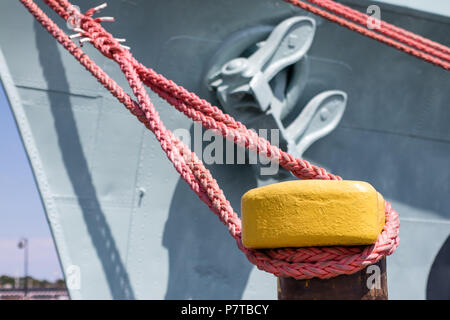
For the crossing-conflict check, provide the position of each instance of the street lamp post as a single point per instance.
(23, 244)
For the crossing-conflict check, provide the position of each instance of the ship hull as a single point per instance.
(127, 227)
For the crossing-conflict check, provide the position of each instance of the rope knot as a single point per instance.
(107, 46)
(102, 40)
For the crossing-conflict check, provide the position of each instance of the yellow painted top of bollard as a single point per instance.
(305, 213)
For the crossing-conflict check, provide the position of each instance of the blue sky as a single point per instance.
(21, 211)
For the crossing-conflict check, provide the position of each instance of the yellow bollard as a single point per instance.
(305, 213)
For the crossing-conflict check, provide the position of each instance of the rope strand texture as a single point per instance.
(399, 45)
(299, 263)
(413, 40)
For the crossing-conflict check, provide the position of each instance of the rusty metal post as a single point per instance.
(367, 284)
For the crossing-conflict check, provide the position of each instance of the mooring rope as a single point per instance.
(389, 30)
(407, 41)
(299, 263)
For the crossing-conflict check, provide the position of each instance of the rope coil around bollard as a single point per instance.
(298, 263)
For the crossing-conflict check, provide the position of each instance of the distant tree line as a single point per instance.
(17, 283)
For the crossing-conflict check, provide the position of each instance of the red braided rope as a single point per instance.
(402, 35)
(372, 34)
(301, 263)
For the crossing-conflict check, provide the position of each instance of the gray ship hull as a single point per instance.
(92, 159)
